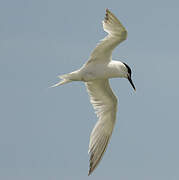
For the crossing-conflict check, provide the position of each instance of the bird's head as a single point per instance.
(128, 73)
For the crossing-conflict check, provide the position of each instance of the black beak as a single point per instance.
(130, 80)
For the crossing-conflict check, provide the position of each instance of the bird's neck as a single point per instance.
(117, 68)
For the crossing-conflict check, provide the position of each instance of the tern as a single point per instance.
(95, 73)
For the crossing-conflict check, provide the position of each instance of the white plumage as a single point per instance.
(105, 105)
(95, 73)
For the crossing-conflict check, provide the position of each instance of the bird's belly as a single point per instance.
(96, 73)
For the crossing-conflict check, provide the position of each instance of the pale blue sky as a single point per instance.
(44, 133)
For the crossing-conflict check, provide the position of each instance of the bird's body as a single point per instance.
(96, 71)
(95, 74)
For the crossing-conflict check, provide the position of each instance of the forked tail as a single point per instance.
(64, 79)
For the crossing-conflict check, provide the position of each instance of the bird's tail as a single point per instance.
(64, 79)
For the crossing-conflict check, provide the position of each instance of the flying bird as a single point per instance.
(95, 73)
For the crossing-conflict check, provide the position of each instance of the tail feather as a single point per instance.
(64, 76)
(64, 79)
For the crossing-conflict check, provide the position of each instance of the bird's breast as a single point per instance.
(98, 72)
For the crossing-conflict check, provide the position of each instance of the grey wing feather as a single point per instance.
(105, 105)
(116, 34)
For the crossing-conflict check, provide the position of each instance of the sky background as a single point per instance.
(44, 133)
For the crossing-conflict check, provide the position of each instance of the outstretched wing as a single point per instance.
(105, 105)
(116, 34)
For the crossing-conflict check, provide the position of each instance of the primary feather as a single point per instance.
(105, 104)
(116, 34)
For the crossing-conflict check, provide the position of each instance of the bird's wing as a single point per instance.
(116, 34)
(105, 105)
